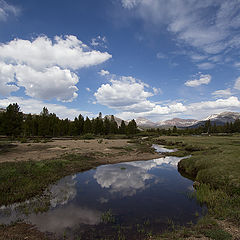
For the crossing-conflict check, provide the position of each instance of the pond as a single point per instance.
(129, 200)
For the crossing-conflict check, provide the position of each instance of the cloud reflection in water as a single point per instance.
(128, 178)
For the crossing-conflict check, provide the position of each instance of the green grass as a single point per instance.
(23, 180)
(215, 160)
(206, 227)
(108, 217)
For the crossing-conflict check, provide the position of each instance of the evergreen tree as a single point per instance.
(43, 125)
(97, 125)
(207, 126)
(106, 126)
(122, 128)
(13, 120)
(28, 125)
(174, 129)
(132, 127)
(113, 126)
(87, 127)
(169, 132)
(236, 125)
(79, 125)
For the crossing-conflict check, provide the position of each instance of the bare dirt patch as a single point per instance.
(230, 228)
(106, 151)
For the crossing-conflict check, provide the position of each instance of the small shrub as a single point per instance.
(88, 136)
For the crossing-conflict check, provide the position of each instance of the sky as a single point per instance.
(156, 59)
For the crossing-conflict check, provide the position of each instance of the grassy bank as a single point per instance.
(214, 165)
(22, 180)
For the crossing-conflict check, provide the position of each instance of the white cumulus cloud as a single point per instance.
(130, 96)
(45, 68)
(124, 94)
(53, 81)
(203, 79)
(42, 52)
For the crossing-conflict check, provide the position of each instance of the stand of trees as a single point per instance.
(14, 123)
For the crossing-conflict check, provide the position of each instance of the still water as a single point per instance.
(129, 200)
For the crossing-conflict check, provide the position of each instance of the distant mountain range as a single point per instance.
(219, 119)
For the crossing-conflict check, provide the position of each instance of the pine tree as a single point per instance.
(79, 124)
(13, 120)
(43, 125)
(97, 124)
(113, 125)
(122, 128)
(132, 127)
(87, 127)
(174, 129)
(106, 126)
(28, 126)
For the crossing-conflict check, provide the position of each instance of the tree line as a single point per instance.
(14, 123)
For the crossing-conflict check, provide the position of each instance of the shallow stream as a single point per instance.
(129, 200)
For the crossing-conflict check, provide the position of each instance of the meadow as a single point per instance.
(214, 166)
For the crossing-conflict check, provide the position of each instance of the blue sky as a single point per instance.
(156, 59)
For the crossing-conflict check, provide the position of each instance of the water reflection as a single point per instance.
(59, 219)
(128, 178)
(123, 178)
(64, 191)
(162, 149)
(134, 191)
